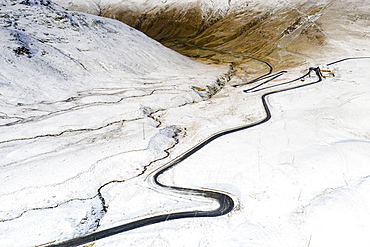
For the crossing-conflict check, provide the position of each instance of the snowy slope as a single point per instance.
(39, 63)
(89, 107)
(300, 179)
(286, 33)
(76, 103)
(97, 7)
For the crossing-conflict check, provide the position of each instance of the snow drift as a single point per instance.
(50, 53)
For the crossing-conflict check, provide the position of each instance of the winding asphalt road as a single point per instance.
(226, 203)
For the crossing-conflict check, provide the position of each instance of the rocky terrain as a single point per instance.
(285, 33)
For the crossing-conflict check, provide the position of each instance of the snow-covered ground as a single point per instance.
(301, 179)
(77, 147)
(77, 94)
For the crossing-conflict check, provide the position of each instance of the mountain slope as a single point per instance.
(77, 94)
(286, 33)
(89, 107)
(48, 52)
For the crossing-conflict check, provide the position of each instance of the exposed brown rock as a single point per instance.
(166, 22)
(264, 33)
(283, 33)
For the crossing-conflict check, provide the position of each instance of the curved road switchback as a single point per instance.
(225, 202)
(345, 59)
(266, 75)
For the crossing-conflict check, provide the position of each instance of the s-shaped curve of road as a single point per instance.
(226, 203)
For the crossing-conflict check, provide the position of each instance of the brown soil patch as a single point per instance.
(285, 35)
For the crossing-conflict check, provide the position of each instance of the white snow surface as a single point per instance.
(39, 63)
(94, 7)
(142, 6)
(82, 119)
(301, 179)
(76, 99)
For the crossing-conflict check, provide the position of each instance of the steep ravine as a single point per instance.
(284, 33)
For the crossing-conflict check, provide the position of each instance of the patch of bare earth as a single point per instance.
(284, 34)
